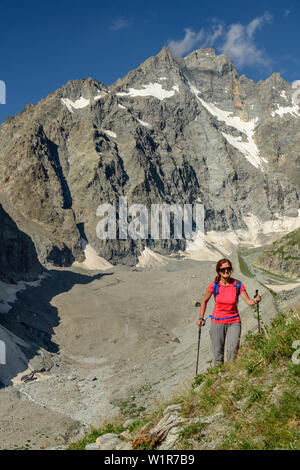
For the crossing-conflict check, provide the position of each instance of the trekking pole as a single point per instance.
(199, 336)
(258, 320)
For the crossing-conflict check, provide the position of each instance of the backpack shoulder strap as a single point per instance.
(216, 289)
(237, 284)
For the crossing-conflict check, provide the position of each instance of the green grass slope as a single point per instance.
(282, 256)
(255, 400)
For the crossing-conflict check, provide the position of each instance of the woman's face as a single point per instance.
(225, 271)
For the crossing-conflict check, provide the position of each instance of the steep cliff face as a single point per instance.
(18, 259)
(171, 131)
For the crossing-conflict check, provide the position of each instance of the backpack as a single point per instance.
(237, 284)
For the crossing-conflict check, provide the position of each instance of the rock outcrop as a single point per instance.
(18, 258)
(282, 256)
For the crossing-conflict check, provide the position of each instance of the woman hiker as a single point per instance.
(225, 320)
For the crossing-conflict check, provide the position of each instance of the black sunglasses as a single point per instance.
(225, 269)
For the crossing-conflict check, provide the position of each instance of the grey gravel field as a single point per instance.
(121, 340)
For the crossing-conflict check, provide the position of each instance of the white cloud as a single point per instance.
(119, 23)
(258, 23)
(235, 40)
(239, 43)
(191, 39)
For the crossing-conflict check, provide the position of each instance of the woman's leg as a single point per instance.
(217, 335)
(233, 340)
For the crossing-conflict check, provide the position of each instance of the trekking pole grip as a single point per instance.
(258, 319)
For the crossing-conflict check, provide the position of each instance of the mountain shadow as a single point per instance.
(32, 319)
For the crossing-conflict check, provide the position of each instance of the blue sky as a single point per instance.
(44, 44)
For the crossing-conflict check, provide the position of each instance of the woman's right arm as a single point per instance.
(205, 299)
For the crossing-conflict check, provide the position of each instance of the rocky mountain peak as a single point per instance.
(173, 130)
(162, 68)
(208, 59)
(275, 78)
(165, 55)
(87, 88)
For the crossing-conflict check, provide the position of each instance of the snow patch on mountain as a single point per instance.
(143, 123)
(283, 95)
(152, 89)
(92, 261)
(282, 110)
(150, 259)
(110, 133)
(8, 292)
(98, 97)
(211, 245)
(78, 104)
(247, 148)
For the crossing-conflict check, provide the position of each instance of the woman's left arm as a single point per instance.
(248, 300)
